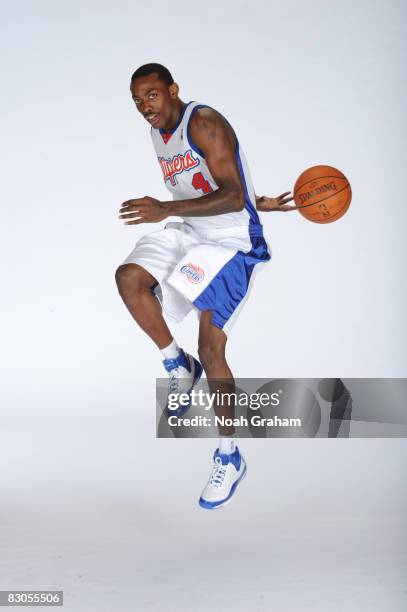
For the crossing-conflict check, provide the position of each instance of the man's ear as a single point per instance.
(174, 90)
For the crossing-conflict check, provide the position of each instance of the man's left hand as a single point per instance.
(143, 210)
(266, 204)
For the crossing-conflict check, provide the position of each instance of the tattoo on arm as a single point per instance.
(212, 134)
(208, 126)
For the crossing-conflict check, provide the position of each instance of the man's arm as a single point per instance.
(214, 137)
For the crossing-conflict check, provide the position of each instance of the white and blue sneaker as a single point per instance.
(227, 472)
(184, 372)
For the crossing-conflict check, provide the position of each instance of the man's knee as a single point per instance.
(211, 351)
(131, 277)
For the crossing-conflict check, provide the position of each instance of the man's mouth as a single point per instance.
(152, 118)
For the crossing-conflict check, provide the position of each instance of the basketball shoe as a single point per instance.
(184, 372)
(227, 472)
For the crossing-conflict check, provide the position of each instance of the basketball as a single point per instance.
(322, 194)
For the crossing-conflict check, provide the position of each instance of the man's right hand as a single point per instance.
(144, 210)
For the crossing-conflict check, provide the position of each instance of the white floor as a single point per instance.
(98, 508)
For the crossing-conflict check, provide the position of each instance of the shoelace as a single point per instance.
(218, 473)
(173, 383)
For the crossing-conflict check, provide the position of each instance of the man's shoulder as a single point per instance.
(206, 118)
(203, 113)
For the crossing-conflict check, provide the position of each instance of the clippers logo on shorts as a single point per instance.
(194, 274)
(176, 165)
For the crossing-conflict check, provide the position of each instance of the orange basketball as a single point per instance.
(322, 193)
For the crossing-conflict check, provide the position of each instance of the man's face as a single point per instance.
(154, 99)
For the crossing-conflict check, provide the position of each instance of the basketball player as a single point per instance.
(203, 263)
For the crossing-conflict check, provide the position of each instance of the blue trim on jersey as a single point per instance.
(251, 209)
(172, 130)
(227, 289)
(249, 206)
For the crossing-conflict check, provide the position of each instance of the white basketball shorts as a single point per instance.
(205, 271)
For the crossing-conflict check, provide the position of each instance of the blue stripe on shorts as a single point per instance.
(227, 289)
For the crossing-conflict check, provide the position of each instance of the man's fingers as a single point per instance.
(286, 207)
(286, 200)
(135, 218)
(136, 222)
(128, 203)
(133, 208)
(286, 193)
(131, 215)
(130, 211)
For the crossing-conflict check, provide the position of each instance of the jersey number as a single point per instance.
(199, 182)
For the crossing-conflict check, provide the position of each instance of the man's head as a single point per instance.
(155, 94)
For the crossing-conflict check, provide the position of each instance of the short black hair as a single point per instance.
(163, 73)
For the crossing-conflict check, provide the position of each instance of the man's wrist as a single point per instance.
(166, 208)
(170, 208)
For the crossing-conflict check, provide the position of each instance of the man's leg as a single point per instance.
(211, 351)
(229, 466)
(134, 284)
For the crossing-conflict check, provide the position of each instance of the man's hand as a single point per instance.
(265, 204)
(143, 210)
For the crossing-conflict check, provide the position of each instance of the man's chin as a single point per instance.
(157, 123)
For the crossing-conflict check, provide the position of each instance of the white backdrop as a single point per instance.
(302, 83)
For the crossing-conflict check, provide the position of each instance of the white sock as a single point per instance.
(171, 351)
(227, 445)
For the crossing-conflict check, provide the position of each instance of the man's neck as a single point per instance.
(179, 106)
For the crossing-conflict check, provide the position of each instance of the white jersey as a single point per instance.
(187, 176)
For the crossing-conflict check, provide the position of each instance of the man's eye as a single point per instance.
(152, 96)
(137, 102)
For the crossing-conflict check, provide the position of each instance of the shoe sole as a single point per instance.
(229, 499)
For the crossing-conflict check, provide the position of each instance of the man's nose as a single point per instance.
(146, 107)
